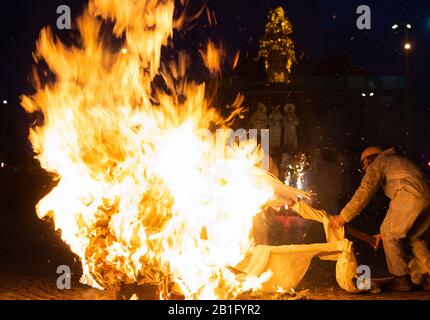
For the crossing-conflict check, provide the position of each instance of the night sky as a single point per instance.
(321, 28)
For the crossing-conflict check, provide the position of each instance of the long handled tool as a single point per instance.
(361, 236)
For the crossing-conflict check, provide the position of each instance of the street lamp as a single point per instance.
(406, 26)
(4, 101)
(396, 26)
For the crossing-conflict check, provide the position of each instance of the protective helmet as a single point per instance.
(371, 151)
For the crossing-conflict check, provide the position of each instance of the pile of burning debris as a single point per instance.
(147, 197)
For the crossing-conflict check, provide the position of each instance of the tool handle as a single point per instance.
(361, 236)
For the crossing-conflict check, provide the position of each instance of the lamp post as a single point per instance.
(407, 47)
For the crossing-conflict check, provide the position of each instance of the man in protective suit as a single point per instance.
(408, 216)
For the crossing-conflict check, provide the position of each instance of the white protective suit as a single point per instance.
(288, 264)
(408, 216)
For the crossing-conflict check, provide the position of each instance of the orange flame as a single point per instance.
(236, 59)
(212, 57)
(146, 193)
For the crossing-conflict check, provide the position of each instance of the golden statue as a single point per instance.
(277, 48)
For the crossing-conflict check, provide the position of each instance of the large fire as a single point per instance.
(146, 192)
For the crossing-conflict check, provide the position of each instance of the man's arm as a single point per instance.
(367, 189)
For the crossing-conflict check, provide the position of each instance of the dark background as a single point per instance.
(321, 29)
(326, 38)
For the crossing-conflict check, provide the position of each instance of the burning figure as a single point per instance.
(146, 193)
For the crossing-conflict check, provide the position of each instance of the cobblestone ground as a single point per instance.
(39, 287)
(30, 253)
(23, 286)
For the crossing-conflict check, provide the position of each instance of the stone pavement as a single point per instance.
(38, 287)
(338, 294)
(30, 253)
(14, 286)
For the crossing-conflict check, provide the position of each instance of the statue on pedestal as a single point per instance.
(276, 118)
(291, 123)
(277, 47)
(259, 118)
